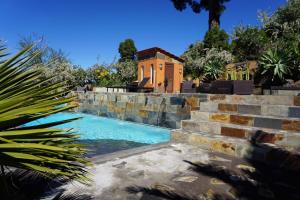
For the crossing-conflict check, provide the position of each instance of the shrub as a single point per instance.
(214, 63)
(283, 27)
(192, 59)
(126, 71)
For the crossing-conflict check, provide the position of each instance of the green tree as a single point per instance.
(215, 8)
(284, 20)
(126, 68)
(216, 38)
(249, 43)
(41, 148)
(127, 50)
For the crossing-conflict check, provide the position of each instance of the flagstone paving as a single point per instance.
(164, 170)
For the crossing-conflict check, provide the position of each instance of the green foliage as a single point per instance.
(216, 38)
(248, 43)
(126, 68)
(285, 20)
(127, 50)
(23, 99)
(213, 70)
(201, 61)
(275, 66)
(214, 63)
(99, 75)
(80, 76)
(276, 45)
(214, 7)
(192, 58)
(283, 29)
(127, 71)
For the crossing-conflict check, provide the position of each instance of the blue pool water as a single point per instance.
(95, 128)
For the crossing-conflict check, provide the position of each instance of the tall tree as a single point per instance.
(127, 50)
(214, 7)
(216, 38)
(126, 68)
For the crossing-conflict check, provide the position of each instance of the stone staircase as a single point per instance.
(232, 124)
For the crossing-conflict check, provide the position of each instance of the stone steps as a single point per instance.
(235, 120)
(272, 155)
(254, 109)
(261, 135)
(259, 121)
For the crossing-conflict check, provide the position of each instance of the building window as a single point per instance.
(142, 72)
(152, 73)
(154, 79)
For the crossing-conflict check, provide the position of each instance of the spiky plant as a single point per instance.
(41, 148)
(274, 65)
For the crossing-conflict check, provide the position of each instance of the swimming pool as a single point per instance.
(95, 128)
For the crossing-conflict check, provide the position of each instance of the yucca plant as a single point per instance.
(41, 148)
(213, 70)
(274, 64)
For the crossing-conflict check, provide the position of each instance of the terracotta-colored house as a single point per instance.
(156, 67)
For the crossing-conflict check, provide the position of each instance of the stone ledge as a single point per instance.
(282, 138)
(280, 123)
(241, 148)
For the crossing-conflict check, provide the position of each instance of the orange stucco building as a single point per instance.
(158, 68)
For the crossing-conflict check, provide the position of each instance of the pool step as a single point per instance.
(260, 135)
(280, 123)
(253, 109)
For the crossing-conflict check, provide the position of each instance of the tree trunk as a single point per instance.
(214, 19)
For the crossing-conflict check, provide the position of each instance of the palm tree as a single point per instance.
(214, 7)
(40, 148)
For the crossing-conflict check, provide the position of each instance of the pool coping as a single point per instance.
(100, 159)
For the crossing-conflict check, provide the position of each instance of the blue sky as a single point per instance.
(87, 29)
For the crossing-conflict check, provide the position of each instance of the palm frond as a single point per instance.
(23, 99)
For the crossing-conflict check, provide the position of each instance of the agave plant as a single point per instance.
(274, 64)
(41, 148)
(213, 70)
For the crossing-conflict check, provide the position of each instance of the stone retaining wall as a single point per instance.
(165, 110)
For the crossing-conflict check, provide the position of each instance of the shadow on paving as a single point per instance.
(152, 193)
(276, 179)
(29, 185)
